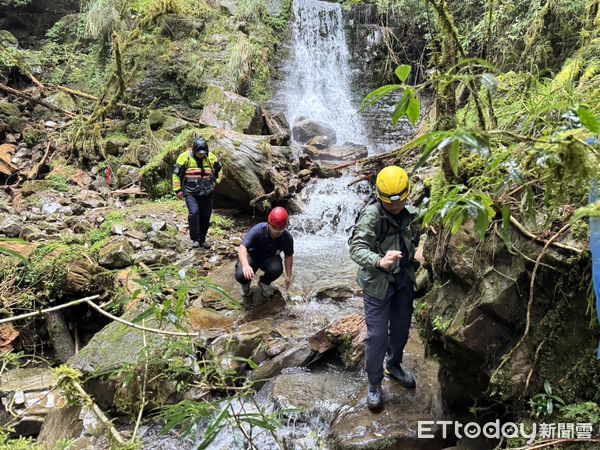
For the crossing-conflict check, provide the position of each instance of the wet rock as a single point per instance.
(223, 109)
(203, 318)
(349, 334)
(319, 142)
(299, 355)
(304, 130)
(321, 394)
(10, 225)
(396, 426)
(116, 254)
(340, 153)
(29, 394)
(241, 343)
(341, 291)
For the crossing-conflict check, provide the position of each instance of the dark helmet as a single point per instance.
(200, 146)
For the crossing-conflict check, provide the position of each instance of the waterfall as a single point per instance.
(317, 76)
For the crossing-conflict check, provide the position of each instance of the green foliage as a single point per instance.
(545, 403)
(240, 64)
(20, 443)
(585, 412)
(440, 324)
(251, 10)
(460, 204)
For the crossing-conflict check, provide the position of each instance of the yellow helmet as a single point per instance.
(392, 184)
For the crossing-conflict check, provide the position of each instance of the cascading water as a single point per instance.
(317, 77)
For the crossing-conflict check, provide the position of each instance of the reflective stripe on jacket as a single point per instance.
(365, 250)
(194, 172)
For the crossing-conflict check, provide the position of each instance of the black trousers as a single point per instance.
(200, 209)
(272, 267)
(388, 323)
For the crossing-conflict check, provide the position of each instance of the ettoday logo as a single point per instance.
(496, 430)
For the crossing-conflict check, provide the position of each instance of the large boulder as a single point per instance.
(396, 427)
(478, 313)
(223, 109)
(306, 129)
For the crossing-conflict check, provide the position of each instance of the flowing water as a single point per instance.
(317, 77)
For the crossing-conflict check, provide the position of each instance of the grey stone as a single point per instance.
(305, 130)
(50, 208)
(155, 256)
(116, 254)
(127, 175)
(30, 395)
(297, 356)
(344, 153)
(31, 233)
(117, 228)
(10, 225)
(90, 199)
(159, 226)
(82, 226)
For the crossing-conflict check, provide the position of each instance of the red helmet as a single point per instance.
(278, 217)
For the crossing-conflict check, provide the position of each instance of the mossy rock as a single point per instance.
(116, 254)
(115, 144)
(230, 111)
(9, 110)
(62, 100)
(33, 136)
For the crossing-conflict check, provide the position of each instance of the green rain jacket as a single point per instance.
(366, 251)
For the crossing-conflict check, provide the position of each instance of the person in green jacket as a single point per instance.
(382, 245)
(195, 175)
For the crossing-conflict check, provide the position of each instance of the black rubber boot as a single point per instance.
(403, 377)
(375, 397)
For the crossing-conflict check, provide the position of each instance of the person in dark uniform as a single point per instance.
(260, 250)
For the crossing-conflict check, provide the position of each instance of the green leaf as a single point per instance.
(549, 407)
(547, 388)
(588, 119)
(453, 155)
(376, 95)
(505, 232)
(8, 252)
(414, 110)
(457, 223)
(402, 106)
(481, 224)
(402, 72)
(490, 82)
